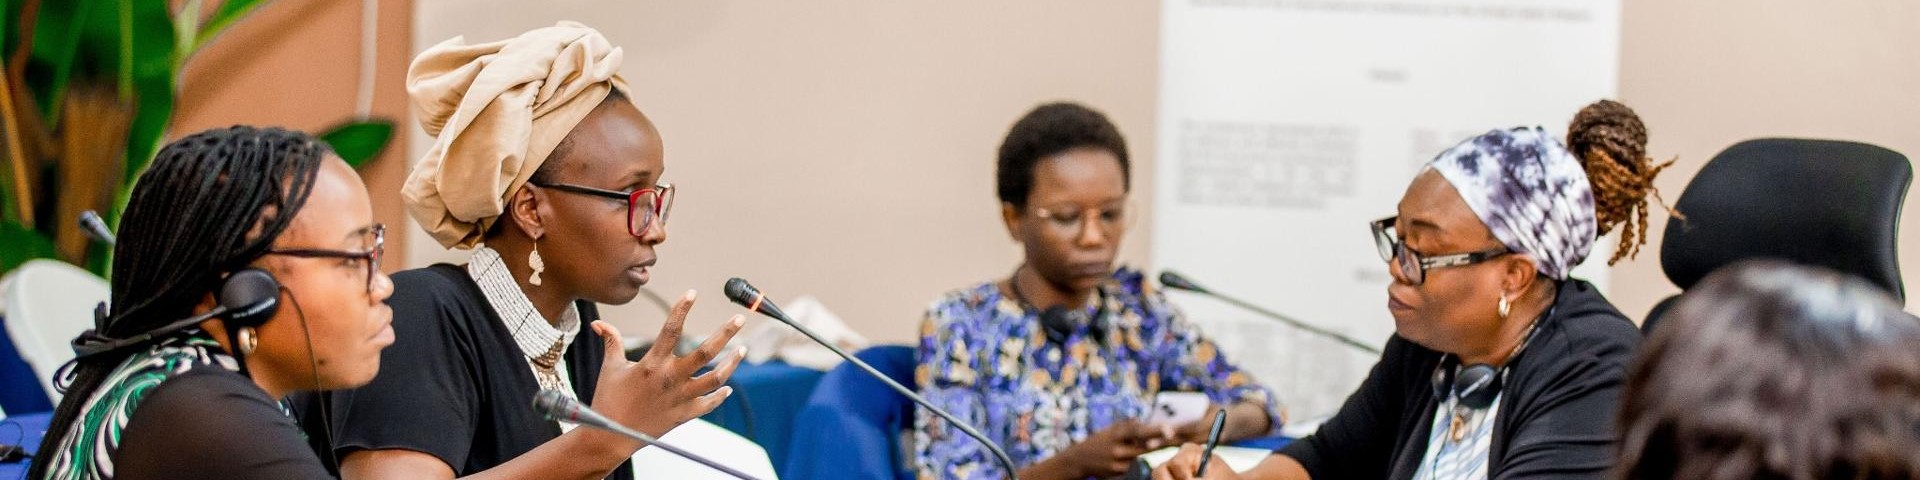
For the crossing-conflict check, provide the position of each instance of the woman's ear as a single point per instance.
(1010, 215)
(214, 327)
(523, 209)
(1518, 274)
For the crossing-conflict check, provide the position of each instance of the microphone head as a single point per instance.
(1170, 279)
(741, 292)
(553, 405)
(95, 228)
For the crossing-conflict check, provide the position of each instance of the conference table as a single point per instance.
(768, 396)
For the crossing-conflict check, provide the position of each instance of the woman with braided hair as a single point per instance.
(1611, 143)
(226, 235)
(1502, 364)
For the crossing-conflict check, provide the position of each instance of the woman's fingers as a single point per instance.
(616, 353)
(669, 336)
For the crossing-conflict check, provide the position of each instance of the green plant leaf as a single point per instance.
(358, 142)
(230, 11)
(153, 79)
(186, 26)
(9, 17)
(56, 45)
(20, 245)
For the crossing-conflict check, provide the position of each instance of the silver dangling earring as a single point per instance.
(538, 266)
(246, 340)
(1505, 306)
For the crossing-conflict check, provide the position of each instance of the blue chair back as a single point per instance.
(850, 427)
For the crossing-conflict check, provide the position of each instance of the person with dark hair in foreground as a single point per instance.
(1060, 362)
(270, 210)
(544, 168)
(1502, 365)
(1767, 370)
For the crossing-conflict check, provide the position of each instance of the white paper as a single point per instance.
(1241, 459)
(706, 440)
(1285, 126)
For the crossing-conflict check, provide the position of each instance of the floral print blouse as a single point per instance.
(985, 359)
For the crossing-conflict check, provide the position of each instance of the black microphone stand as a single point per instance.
(745, 295)
(1175, 281)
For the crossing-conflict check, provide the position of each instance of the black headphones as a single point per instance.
(1060, 321)
(248, 297)
(1477, 385)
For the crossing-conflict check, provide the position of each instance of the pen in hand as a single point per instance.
(1213, 440)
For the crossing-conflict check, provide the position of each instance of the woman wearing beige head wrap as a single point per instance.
(543, 168)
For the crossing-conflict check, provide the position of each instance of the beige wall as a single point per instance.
(1705, 75)
(295, 64)
(845, 149)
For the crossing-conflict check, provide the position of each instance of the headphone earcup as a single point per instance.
(1478, 385)
(251, 296)
(1442, 380)
(1059, 323)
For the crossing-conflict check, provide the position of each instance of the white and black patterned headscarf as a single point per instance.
(1530, 191)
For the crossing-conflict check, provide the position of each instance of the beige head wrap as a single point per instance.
(496, 110)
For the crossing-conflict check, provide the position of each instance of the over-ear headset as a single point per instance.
(248, 297)
(1477, 385)
(1060, 321)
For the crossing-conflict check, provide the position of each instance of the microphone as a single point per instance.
(91, 343)
(558, 406)
(94, 227)
(1175, 281)
(743, 293)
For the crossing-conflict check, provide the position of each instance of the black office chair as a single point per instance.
(1818, 202)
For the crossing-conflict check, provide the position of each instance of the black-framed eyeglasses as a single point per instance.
(1412, 265)
(658, 199)
(370, 257)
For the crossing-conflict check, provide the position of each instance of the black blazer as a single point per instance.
(1556, 414)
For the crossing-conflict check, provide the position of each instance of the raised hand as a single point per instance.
(660, 391)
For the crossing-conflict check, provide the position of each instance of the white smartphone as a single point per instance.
(1178, 408)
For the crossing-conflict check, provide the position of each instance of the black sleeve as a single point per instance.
(424, 398)
(1566, 432)
(211, 423)
(1358, 441)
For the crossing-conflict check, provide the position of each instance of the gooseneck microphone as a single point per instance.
(743, 293)
(558, 406)
(95, 227)
(1175, 281)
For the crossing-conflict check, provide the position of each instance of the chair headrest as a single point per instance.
(1819, 202)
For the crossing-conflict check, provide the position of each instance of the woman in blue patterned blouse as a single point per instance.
(1060, 362)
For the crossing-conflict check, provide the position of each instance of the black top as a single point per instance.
(212, 423)
(453, 384)
(1556, 412)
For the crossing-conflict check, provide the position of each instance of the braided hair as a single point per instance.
(209, 204)
(1611, 143)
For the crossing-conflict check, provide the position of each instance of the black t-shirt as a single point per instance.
(212, 423)
(1556, 411)
(453, 384)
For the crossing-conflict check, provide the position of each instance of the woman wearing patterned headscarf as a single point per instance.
(1502, 365)
(544, 169)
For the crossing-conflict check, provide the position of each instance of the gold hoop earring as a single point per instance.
(246, 340)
